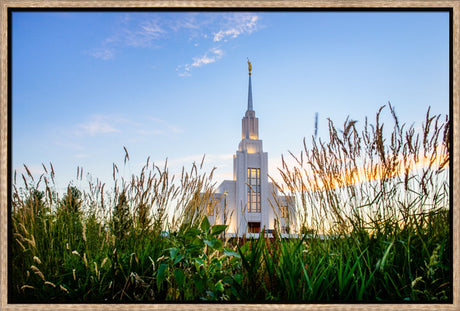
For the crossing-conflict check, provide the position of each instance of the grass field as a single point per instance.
(380, 198)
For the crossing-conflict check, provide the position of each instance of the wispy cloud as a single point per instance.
(209, 57)
(147, 30)
(237, 24)
(144, 34)
(81, 139)
(98, 125)
(131, 32)
(190, 22)
(230, 26)
(102, 53)
(107, 124)
(183, 71)
(209, 32)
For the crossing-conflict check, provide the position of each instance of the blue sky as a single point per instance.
(174, 85)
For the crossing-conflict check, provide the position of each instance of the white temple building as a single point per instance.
(249, 203)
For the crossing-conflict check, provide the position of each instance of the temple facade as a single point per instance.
(249, 203)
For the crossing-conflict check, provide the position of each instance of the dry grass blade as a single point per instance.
(28, 172)
(126, 155)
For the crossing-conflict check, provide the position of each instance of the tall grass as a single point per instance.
(382, 200)
(373, 209)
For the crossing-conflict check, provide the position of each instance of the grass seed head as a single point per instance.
(37, 260)
(38, 272)
(26, 286)
(103, 262)
(22, 246)
(84, 231)
(30, 241)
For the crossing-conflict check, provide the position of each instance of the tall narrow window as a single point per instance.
(254, 190)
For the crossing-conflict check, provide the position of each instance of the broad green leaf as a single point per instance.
(229, 253)
(210, 243)
(205, 225)
(218, 229)
(220, 286)
(227, 280)
(161, 274)
(238, 278)
(197, 242)
(192, 232)
(179, 276)
(173, 253)
(199, 283)
(218, 244)
(199, 261)
(178, 258)
(214, 243)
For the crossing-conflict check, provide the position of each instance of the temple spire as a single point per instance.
(250, 124)
(250, 87)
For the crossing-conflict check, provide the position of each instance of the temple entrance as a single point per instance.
(253, 227)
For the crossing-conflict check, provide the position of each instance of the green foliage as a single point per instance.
(387, 240)
(121, 219)
(193, 268)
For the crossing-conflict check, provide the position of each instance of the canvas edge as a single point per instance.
(5, 4)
